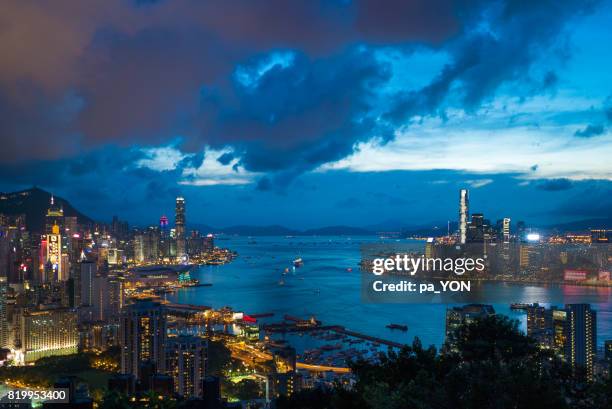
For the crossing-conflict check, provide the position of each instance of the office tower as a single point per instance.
(581, 338)
(463, 215)
(48, 333)
(71, 225)
(467, 314)
(142, 335)
(4, 331)
(95, 297)
(54, 217)
(506, 230)
(180, 228)
(475, 229)
(186, 363)
(209, 243)
(54, 255)
(164, 226)
(88, 272)
(146, 246)
(115, 297)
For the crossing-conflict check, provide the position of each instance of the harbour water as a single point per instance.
(327, 287)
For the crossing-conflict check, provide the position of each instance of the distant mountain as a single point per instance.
(34, 204)
(337, 231)
(277, 230)
(245, 230)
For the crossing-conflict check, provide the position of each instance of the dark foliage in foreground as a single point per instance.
(494, 366)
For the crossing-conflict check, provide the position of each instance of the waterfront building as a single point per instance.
(142, 335)
(48, 333)
(463, 215)
(581, 337)
(181, 249)
(186, 363)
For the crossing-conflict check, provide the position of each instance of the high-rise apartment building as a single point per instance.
(186, 363)
(463, 215)
(581, 338)
(142, 336)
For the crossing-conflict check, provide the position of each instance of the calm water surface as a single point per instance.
(324, 288)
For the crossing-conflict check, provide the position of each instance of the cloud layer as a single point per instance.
(288, 86)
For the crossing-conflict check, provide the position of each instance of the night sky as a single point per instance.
(309, 113)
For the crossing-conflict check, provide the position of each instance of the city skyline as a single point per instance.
(297, 204)
(305, 125)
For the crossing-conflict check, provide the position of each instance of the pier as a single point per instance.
(301, 325)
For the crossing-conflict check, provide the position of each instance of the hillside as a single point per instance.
(34, 204)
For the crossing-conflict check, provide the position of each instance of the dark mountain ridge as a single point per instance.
(33, 203)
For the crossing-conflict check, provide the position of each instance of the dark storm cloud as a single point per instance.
(134, 73)
(515, 36)
(555, 185)
(589, 131)
(294, 118)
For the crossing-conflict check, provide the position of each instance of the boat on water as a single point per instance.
(298, 262)
(400, 327)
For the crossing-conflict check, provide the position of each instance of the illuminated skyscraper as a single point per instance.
(142, 336)
(580, 338)
(506, 230)
(180, 227)
(464, 211)
(186, 363)
(54, 254)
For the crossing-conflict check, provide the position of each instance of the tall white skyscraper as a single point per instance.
(180, 228)
(464, 211)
